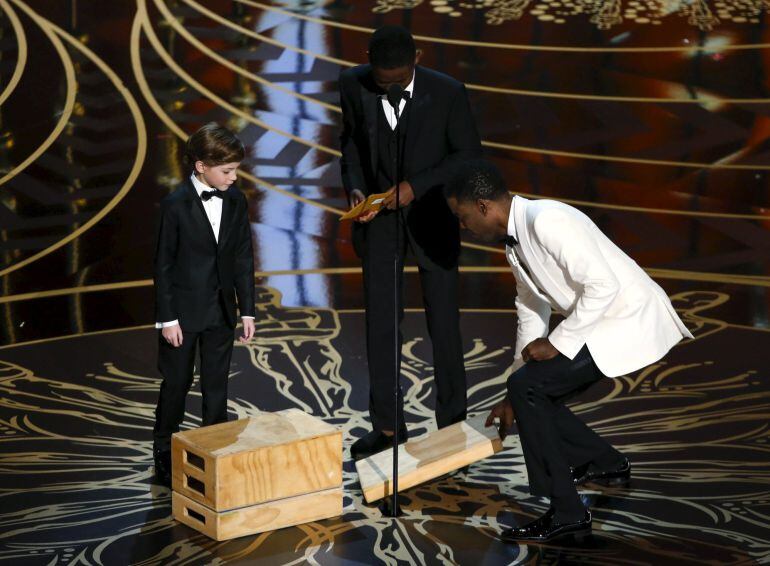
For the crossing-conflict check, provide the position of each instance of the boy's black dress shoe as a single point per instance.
(163, 468)
(545, 528)
(618, 476)
(374, 442)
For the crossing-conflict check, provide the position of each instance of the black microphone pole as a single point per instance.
(395, 95)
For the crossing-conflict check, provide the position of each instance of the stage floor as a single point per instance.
(653, 123)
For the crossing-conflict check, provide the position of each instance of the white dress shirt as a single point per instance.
(213, 209)
(390, 115)
(213, 206)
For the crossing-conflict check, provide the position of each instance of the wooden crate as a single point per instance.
(259, 518)
(428, 457)
(251, 461)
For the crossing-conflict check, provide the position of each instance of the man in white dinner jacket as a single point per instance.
(616, 320)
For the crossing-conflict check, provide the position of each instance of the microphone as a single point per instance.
(395, 94)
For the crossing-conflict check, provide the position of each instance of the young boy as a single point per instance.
(203, 264)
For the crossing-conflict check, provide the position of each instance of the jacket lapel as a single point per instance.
(417, 107)
(540, 279)
(369, 102)
(228, 209)
(198, 214)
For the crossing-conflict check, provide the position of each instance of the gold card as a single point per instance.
(372, 203)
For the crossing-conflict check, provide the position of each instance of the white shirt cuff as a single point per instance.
(166, 324)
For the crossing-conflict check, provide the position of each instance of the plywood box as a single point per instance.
(251, 461)
(428, 457)
(259, 518)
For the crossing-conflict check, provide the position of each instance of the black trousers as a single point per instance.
(176, 365)
(439, 289)
(552, 437)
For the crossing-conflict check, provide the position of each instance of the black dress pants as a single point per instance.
(552, 437)
(439, 289)
(176, 365)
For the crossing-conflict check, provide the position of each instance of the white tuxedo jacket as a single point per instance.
(610, 304)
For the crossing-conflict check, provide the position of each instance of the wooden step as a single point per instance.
(428, 457)
(255, 460)
(259, 518)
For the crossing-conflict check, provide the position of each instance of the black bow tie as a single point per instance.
(404, 96)
(206, 195)
(510, 241)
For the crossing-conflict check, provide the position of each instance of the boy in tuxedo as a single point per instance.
(203, 265)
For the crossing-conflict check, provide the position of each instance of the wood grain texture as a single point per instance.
(428, 457)
(259, 518)
(250, 461)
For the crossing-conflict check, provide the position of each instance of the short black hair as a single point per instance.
(391, 47)
(476, 179)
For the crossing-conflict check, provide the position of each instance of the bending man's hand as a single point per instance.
(503, 411)
(405, 196)
(248, 330)
(173, 335)
(539, 350)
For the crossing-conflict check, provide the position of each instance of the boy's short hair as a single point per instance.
(476, 179)
(214, 145)
(391, 47)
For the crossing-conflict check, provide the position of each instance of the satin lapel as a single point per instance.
(418, 106)
(199, 215)
(536, 268)
(369, 102)
(521, 273)
(228, 209)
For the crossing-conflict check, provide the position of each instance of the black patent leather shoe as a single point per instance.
(546, 528)
(374, 442)
(163, 468)
(618, 477)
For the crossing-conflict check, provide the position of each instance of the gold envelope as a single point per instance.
(372, 203)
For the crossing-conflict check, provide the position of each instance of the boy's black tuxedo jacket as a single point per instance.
(441, 132)
(191, 268)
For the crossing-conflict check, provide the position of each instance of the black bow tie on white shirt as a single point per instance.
(405, 95)
(510, 241)
(206, 195)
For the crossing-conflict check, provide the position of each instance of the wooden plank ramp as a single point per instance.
(427, 457)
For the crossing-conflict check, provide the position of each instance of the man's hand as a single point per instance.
(504, 412)
(248, 330)
(405, 196)
(539, 350)
(356, 198)
(173, 335)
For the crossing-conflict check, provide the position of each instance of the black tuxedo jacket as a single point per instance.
(191, 267)
(441, 131)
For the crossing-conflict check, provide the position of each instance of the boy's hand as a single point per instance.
(173, 335)
(248, 330)
(503, 411)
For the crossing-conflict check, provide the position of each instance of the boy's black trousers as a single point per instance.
(215, 344)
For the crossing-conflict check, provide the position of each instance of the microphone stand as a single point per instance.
(395, 95)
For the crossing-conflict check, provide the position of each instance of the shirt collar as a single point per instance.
(199, 186)
(512, 220)
(409, 88)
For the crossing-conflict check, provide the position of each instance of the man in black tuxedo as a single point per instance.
(203, 265)
(435, 130)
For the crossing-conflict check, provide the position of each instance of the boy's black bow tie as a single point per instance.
(206, 195)
(510, 241)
